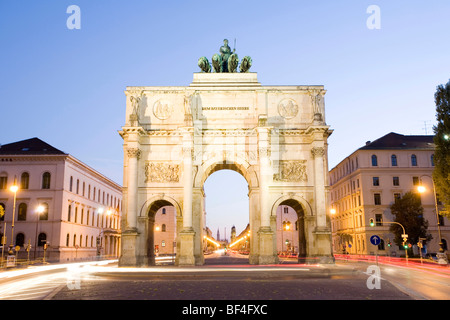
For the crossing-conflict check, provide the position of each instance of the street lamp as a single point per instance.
(421, 189)
(14, 188)
(40, 209)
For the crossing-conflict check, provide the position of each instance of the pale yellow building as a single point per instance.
(367, 182)
(287, 230)
(165, 231)
(62, 207)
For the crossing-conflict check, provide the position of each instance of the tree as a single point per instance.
(441, 172)
(408, 211)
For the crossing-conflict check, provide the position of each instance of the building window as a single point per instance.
(69, 211)
(381, 245)
(375, 181)
(378, 220)
(374, 161)
(164, 211)
(397, 196)
(22, 215)
(414, 160)
(286, 210)
(163, 243)
(46, 180)
(71, 184)
(44, 214)
(377, 199)
(432, 160)
(3, 181)
(78, 185)
(415, 181)
(20, 239)
(42, 239)
(67, 240)
(394, 160)
(441, 220)
(396, 181)
(24, 180)
(163, 228)
(444, 244)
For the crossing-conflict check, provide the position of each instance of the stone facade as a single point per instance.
(175, 137)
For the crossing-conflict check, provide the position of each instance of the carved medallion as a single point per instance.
(162, 172)
(291, 171)
(288, 108)
(162, 109)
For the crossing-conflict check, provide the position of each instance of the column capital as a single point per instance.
(318, 151)
(134, 153)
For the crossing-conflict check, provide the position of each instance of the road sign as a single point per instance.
(375, 240)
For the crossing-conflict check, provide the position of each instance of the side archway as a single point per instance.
(303, 210)
(148, 212)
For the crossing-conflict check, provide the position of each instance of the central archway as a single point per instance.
(245, 170)
(226, 217)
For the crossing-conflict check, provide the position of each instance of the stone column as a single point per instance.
(187, 188)
(187, 234)
(129, 255)
(319, 186)
(132, 187)
(264, 172)
(267, 252)
(322, 233)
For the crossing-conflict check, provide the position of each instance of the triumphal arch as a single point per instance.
(274, 136)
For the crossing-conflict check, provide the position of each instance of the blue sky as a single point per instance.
(66, 86)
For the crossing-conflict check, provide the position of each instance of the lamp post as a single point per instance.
(14, 188)
(40, 209)
(442, 259)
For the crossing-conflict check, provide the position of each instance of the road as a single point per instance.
(420, 281)
(226, 277)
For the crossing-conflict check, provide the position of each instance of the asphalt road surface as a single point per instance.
(220, 280)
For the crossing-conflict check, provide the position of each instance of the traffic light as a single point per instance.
(405, 245)
(389, 242)
(371, 222)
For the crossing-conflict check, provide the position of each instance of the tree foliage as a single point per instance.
(441, 172)
(408, 211)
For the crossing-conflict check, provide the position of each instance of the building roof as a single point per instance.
(398, 141)
(33, 146)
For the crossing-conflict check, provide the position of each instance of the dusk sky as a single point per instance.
(66, 86)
